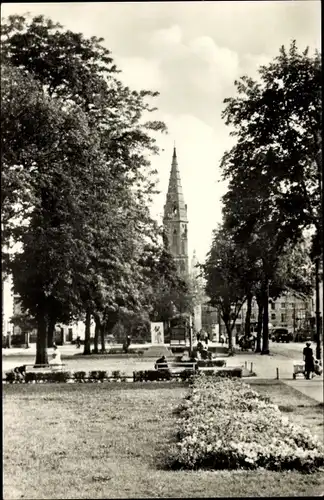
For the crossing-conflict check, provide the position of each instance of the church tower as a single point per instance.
(175, 220)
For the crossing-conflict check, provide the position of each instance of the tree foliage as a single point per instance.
(274, 168)
(81, 176)
(224, 274)
(276, 162)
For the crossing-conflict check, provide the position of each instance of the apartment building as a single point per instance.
(288, 311)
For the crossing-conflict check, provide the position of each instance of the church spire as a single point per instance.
(175, 219)
(175, 201)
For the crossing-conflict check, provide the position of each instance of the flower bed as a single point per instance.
(224, 424)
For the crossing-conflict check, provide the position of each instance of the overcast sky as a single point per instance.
(191, 52)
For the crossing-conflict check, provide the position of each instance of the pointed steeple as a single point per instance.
(175, 220)
(175, 205)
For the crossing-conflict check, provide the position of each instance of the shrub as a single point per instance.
(10, 377)
(116, 375)
(102, 375)
(30, 377)
(138, 376)
(151, 375)
(230, 372)
(186, 375)
(59, 376)
(80, 376)
(211, 362)
(94, 376)
(225, 424)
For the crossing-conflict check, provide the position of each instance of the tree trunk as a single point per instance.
(265, 332)
(259, 327)
(96, 337)
(102, 337)
(41, 344)
(87, 341)
(229, 331)
(247, 327)
(50, 330)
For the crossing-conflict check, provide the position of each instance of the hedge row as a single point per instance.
(224, 424)
(102, 375)
(211, 362)
(64, 376)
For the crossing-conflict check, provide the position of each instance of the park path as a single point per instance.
(264, 366)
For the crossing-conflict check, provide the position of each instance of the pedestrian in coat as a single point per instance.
(309, 360)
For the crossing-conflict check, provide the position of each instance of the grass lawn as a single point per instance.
(298, 407)
(107, 440)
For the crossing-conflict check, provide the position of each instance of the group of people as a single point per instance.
(247, 342)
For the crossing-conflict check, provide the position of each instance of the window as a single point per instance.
(273, 316)
(175, 240)
(252, 316)
(273, 305)
(283, 317)
(283, 305)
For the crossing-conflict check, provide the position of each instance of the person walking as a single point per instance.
(309, 360)
(127, 343)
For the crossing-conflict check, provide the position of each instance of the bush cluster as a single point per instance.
(151, 375)
(64, 376)
(224, 424)
(186, 374)
(211, 362)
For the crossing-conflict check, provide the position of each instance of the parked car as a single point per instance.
(303, 336)
(281, 335)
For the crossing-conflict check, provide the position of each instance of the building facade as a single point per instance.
(175, 220)
(288, 311)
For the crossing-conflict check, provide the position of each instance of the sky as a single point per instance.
(191, 52)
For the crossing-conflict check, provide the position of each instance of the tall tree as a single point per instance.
(89, 210)
(224, 281)
(274, 169)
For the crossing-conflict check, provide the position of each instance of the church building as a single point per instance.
(175, 220)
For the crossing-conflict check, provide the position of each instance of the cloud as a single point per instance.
(139, 73)
(192, 52)
(167, 37)
(220, 64)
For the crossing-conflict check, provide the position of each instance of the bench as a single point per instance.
(177, 367)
